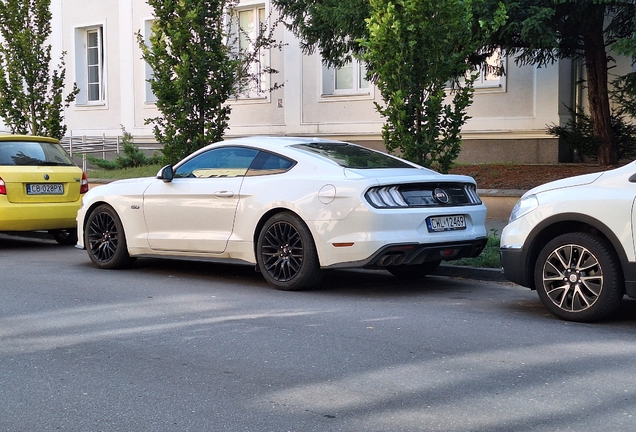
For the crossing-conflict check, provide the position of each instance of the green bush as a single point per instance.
(132, 157)
(578, 134)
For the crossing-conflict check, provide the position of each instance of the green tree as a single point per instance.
(193, 74)
(540, 32)
(198, 64)
(334, 27)
(31, 96)
(414, 49)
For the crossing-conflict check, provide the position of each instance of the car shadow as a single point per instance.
(346, 281)
(27, 240)
(625, 314)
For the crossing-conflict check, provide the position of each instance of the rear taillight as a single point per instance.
(386, 197)
(3, 187)
(84, 184)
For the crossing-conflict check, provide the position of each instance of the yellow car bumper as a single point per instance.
(41, 216)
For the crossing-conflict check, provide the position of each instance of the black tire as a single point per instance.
(415, 271)
(578, 278)
(66, 237)
(286, 253)
(105, 239)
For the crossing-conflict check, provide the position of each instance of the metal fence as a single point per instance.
(98, 146)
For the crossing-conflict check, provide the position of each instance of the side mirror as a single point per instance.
(166, 174)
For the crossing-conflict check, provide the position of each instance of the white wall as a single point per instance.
(530, 99)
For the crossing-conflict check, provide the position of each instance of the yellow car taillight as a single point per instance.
(84, 184)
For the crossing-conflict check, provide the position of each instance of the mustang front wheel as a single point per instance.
(286, 253)
(105, 240)
(577, 277)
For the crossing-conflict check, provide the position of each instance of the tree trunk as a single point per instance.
(597, 92)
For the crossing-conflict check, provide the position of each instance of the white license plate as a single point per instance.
(446, 223)
(45, 188)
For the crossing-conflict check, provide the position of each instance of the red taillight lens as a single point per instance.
(3, 187)
(84, 184)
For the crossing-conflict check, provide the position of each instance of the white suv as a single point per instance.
(573, 241)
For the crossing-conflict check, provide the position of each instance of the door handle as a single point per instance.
(224, 194)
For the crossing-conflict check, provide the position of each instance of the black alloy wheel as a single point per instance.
(286, 253)
(105, 240)
(578, 278)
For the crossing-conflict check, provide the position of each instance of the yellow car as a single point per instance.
(40, 187)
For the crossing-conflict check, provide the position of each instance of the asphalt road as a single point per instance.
(177, 346)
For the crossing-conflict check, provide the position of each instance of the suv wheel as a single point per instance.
(578, 278)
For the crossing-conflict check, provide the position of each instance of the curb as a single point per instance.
(484, 274)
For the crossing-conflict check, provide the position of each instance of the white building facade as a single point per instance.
(508, 117)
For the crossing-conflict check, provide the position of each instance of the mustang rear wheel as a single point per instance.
(577, 277)
(286, 253)
(105, 240)
(413, 271)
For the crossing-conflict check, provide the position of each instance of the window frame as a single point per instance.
(261, 17)
(149, 95)
(357, 77)
(82, 74)
(328, 91)
(495, 85)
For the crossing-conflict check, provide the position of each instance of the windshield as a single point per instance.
(353, 156)
(33, 153)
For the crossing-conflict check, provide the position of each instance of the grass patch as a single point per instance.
(489, 258)
(124, 173)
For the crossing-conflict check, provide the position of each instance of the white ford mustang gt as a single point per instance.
(292, 207)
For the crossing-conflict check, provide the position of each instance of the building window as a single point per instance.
(89, 65)
(490, 76)
(149, 95)
(94, 64)
(349, 79)
(247, 26)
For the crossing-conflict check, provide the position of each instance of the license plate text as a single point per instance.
(446, 223)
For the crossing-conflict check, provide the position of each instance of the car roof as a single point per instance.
(27, 138)
(286, 146)
(276, 142)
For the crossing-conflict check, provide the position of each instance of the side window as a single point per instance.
(268, 163)
(219, 162)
